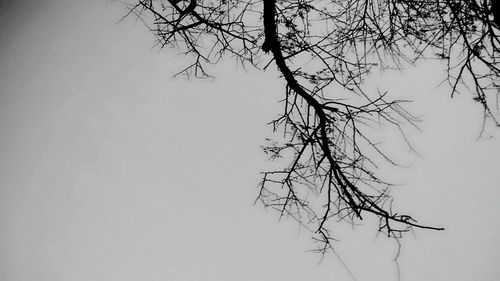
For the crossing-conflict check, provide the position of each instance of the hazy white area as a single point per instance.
(112, 170)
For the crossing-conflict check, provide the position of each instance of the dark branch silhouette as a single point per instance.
(324, 51)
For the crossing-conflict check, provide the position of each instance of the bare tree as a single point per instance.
(324, 51)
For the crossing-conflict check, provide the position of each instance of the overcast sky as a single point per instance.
(110, 169)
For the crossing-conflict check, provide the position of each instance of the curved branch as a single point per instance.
(355, 199)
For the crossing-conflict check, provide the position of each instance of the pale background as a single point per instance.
(112, 170)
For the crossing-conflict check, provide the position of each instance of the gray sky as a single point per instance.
(112, 170)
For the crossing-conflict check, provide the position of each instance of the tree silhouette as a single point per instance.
(324, 51)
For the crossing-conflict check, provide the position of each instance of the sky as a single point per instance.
(111, 169)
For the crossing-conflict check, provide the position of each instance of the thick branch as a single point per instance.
(354, 198)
